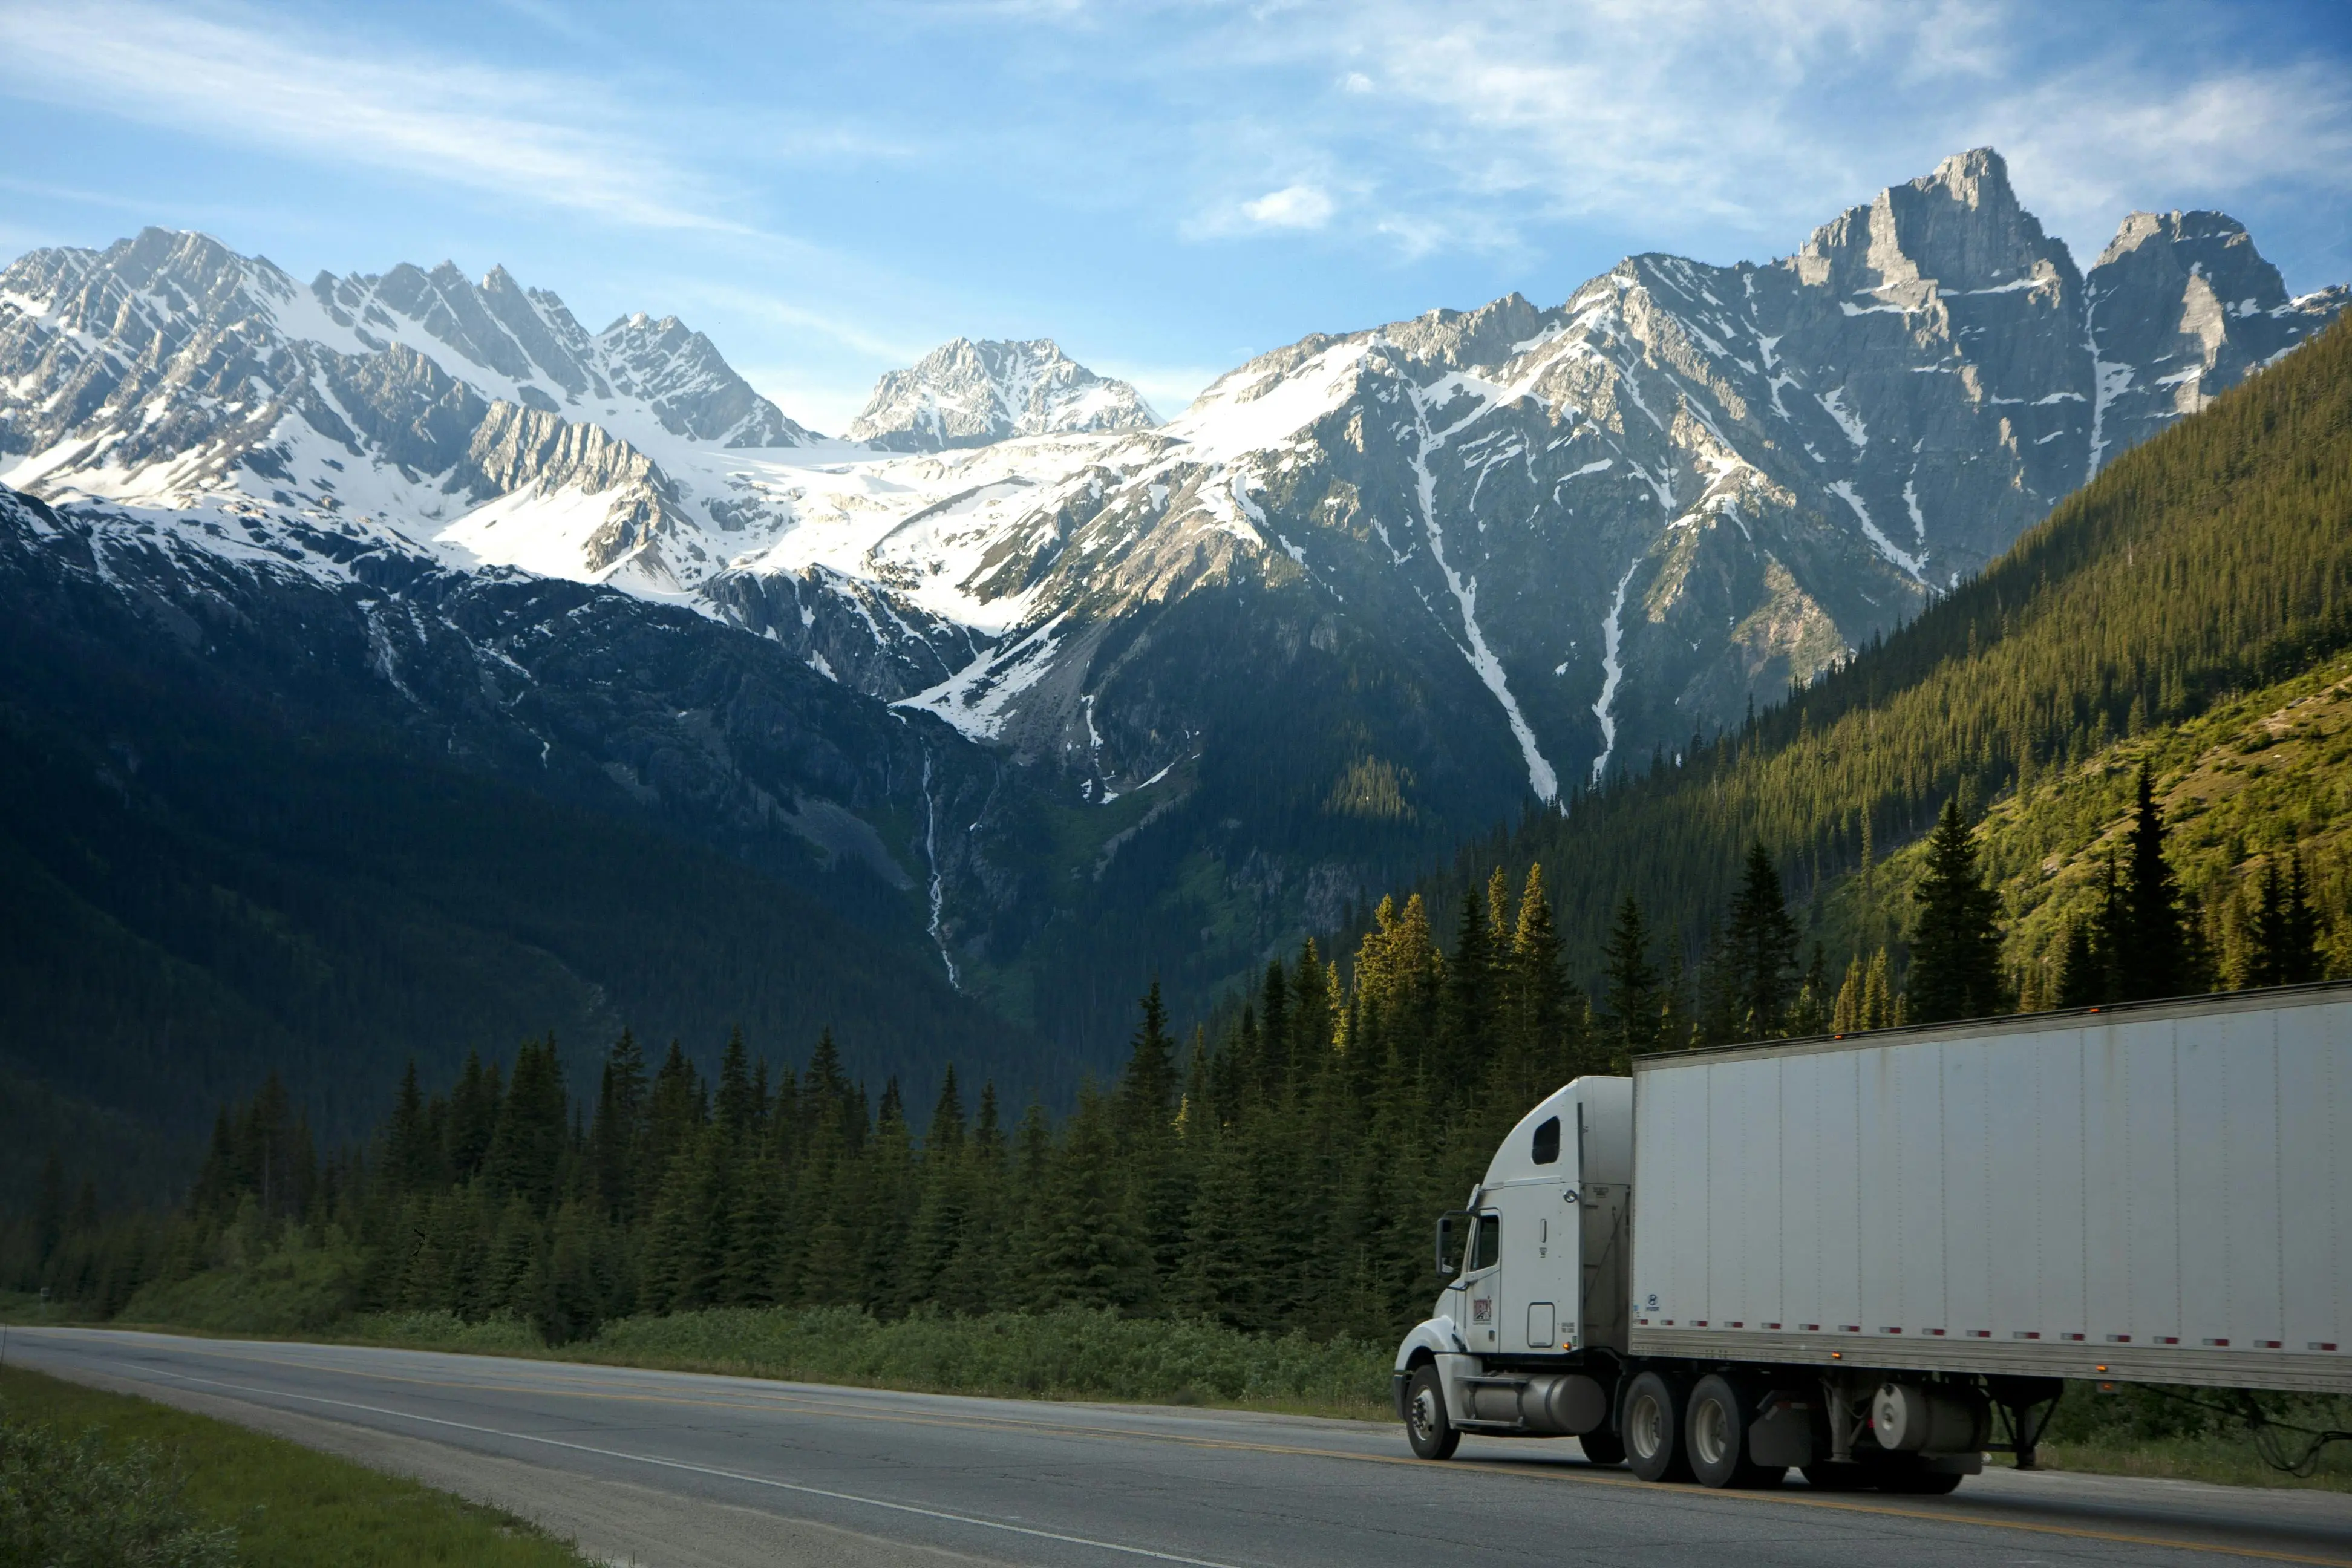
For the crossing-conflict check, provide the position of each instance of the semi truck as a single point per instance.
(1875, 1258)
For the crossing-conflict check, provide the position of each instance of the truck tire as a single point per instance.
(1714, 1434)
(1603, 1446)
(1426, 1425)
(1653, 1429)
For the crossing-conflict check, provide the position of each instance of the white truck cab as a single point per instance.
(1526, 1335)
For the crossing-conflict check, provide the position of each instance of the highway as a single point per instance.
(678, 1470)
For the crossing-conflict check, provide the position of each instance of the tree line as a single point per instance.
(1276, 1172)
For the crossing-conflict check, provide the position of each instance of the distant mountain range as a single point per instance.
(1166, 695)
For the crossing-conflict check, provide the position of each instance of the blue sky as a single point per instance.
(1166, 188)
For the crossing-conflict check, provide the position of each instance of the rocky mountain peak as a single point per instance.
(1960, 229)
(967, 394)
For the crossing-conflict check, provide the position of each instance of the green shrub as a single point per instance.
(69, 1502)
(1070, 1354)
(292, 1288)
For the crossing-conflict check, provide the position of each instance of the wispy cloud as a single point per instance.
(1684, 121)
(1293, 207)
(2095, 142)
(519, 135)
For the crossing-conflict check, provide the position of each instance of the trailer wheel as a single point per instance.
(1603, 1446)
(1426, 1425)
(1653, 1429)
(1716, 1433)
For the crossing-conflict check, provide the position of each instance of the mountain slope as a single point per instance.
(2215, 560)
(255, 816)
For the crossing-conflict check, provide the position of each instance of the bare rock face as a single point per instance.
(965, 393)
(2182, 306)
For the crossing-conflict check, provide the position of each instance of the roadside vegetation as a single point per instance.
(92, 1480)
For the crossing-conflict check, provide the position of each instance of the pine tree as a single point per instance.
(1954, 946)
(1466, 1037)
(2286, 931)
(1542, 1003)
(617, 1133)
(739, 1107)
(1846, 1014)
(473, 1118)
(408, 1159)
(1760, 950)
(1147, 1088)
(1635, 993)
(2152, 957)
(529, 1136)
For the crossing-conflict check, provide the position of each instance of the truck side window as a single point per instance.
(1548, 1143)
(1489, 1250)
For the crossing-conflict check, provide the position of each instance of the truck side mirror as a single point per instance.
(1446, 1268)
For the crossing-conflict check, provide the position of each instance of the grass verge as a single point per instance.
(288, 1507)
(1072, 1353)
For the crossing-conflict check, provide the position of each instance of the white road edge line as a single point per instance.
(706, 1470)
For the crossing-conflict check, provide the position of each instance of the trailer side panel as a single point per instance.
(2160, 1193)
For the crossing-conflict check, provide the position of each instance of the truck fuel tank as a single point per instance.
(1563, 1404)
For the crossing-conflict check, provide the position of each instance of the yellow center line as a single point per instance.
(1535, 1470)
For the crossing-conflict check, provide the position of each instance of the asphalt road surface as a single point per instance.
(674, 1471)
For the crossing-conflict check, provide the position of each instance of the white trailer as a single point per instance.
(1846, 1253)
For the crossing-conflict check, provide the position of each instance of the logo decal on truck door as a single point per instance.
(1482, 1312)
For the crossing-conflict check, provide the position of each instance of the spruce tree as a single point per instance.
(1634, 987)
(2152, 956)
(2286, 931)
(1466, 1038)
(408, 1160)
(1539, 996)
(531, 1135)
(1759, 951)
(616, 1133)
(1955, 947)
(1147, 1089)
(1845, 1015)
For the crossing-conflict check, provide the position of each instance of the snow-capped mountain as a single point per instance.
(170, 370)
(1368, 593)
(964, 393)
(1624, 518)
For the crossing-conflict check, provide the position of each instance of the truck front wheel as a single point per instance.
(1653, 1429)
(1426, 1425)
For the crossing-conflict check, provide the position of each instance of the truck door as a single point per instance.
(1540, 1288)
(1481, 1285)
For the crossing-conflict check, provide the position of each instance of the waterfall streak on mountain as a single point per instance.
(1540, 776)
(938, 887)
(1612, 634)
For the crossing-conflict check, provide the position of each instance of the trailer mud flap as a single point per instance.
(1782, 1437)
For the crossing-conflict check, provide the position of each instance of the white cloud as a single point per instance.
(2087, 147)
(531, 138)
(1293, 207)
(1733, 129)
